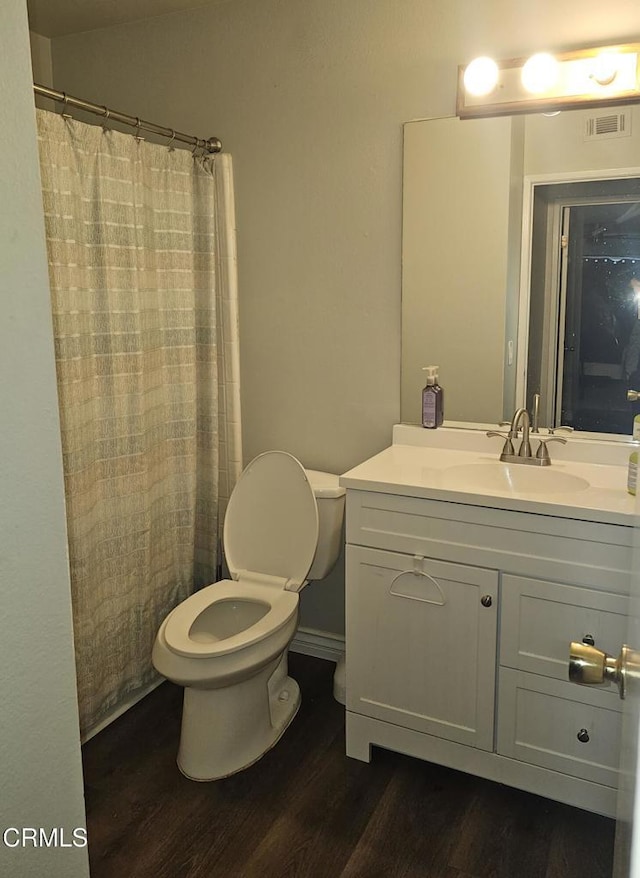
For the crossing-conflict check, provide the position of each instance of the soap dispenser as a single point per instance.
(432, 400)
(632, 474)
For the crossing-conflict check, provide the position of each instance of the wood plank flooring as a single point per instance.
(306, 811)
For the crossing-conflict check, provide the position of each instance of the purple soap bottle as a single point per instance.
(432, 400)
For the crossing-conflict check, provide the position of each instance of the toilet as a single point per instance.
(227, 643)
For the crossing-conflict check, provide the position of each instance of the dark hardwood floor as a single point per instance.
(307, 810)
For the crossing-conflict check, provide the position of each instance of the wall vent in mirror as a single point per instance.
(590, 77)
(609, 125)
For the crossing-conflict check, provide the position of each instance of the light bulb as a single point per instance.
(604, 68)
(481, 76)
(540, 73)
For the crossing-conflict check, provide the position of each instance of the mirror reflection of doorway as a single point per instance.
(601, 340)
(586, 303)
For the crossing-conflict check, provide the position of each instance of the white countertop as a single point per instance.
(456, 466)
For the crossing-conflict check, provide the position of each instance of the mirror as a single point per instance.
(469, 284)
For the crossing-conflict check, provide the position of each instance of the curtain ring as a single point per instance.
(107, 114)
(65, 101)
(137, 135)
(173, 137)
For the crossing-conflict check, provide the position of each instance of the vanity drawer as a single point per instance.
(540, 619)
(542, 721)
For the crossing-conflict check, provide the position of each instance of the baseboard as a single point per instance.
(320, 644)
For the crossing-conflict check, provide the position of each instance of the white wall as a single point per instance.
(41, 60)
(39, 738)
(42, 64)
(556, 144)
(310, 98)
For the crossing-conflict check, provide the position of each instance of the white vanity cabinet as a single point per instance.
(459, 620)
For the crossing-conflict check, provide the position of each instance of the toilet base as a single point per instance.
(228, 729)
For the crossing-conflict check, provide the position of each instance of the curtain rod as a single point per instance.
(211, 145)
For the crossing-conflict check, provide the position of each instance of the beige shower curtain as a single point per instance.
(142, 265)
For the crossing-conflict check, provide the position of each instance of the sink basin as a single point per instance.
(511, 478)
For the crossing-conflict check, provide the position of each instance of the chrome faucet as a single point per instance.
(525, 446)
(524, 453)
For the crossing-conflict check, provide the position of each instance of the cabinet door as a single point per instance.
(421, 644)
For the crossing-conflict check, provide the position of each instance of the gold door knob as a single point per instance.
(593, 667)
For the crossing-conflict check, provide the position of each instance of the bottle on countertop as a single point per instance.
(632, 476)
(432, 400)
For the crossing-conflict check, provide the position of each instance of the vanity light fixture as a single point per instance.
(545, 83)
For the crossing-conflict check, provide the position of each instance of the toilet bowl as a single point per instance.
(227, 643)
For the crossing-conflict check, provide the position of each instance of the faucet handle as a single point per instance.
(543, 452)
(553, 430)
(508, 445)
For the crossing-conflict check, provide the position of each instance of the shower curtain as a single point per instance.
(142, 265)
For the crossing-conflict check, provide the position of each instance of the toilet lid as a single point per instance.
(271, 525)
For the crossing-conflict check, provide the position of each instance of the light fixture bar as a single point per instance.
(596, 77)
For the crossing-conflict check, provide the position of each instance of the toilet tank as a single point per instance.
(330, 499)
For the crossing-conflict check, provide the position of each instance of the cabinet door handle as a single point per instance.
(486, 600)
(440, 602)
(583, 736)
(589, 639)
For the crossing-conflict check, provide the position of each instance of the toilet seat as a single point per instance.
(270, 540)
(271, 526)
(282, 606)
